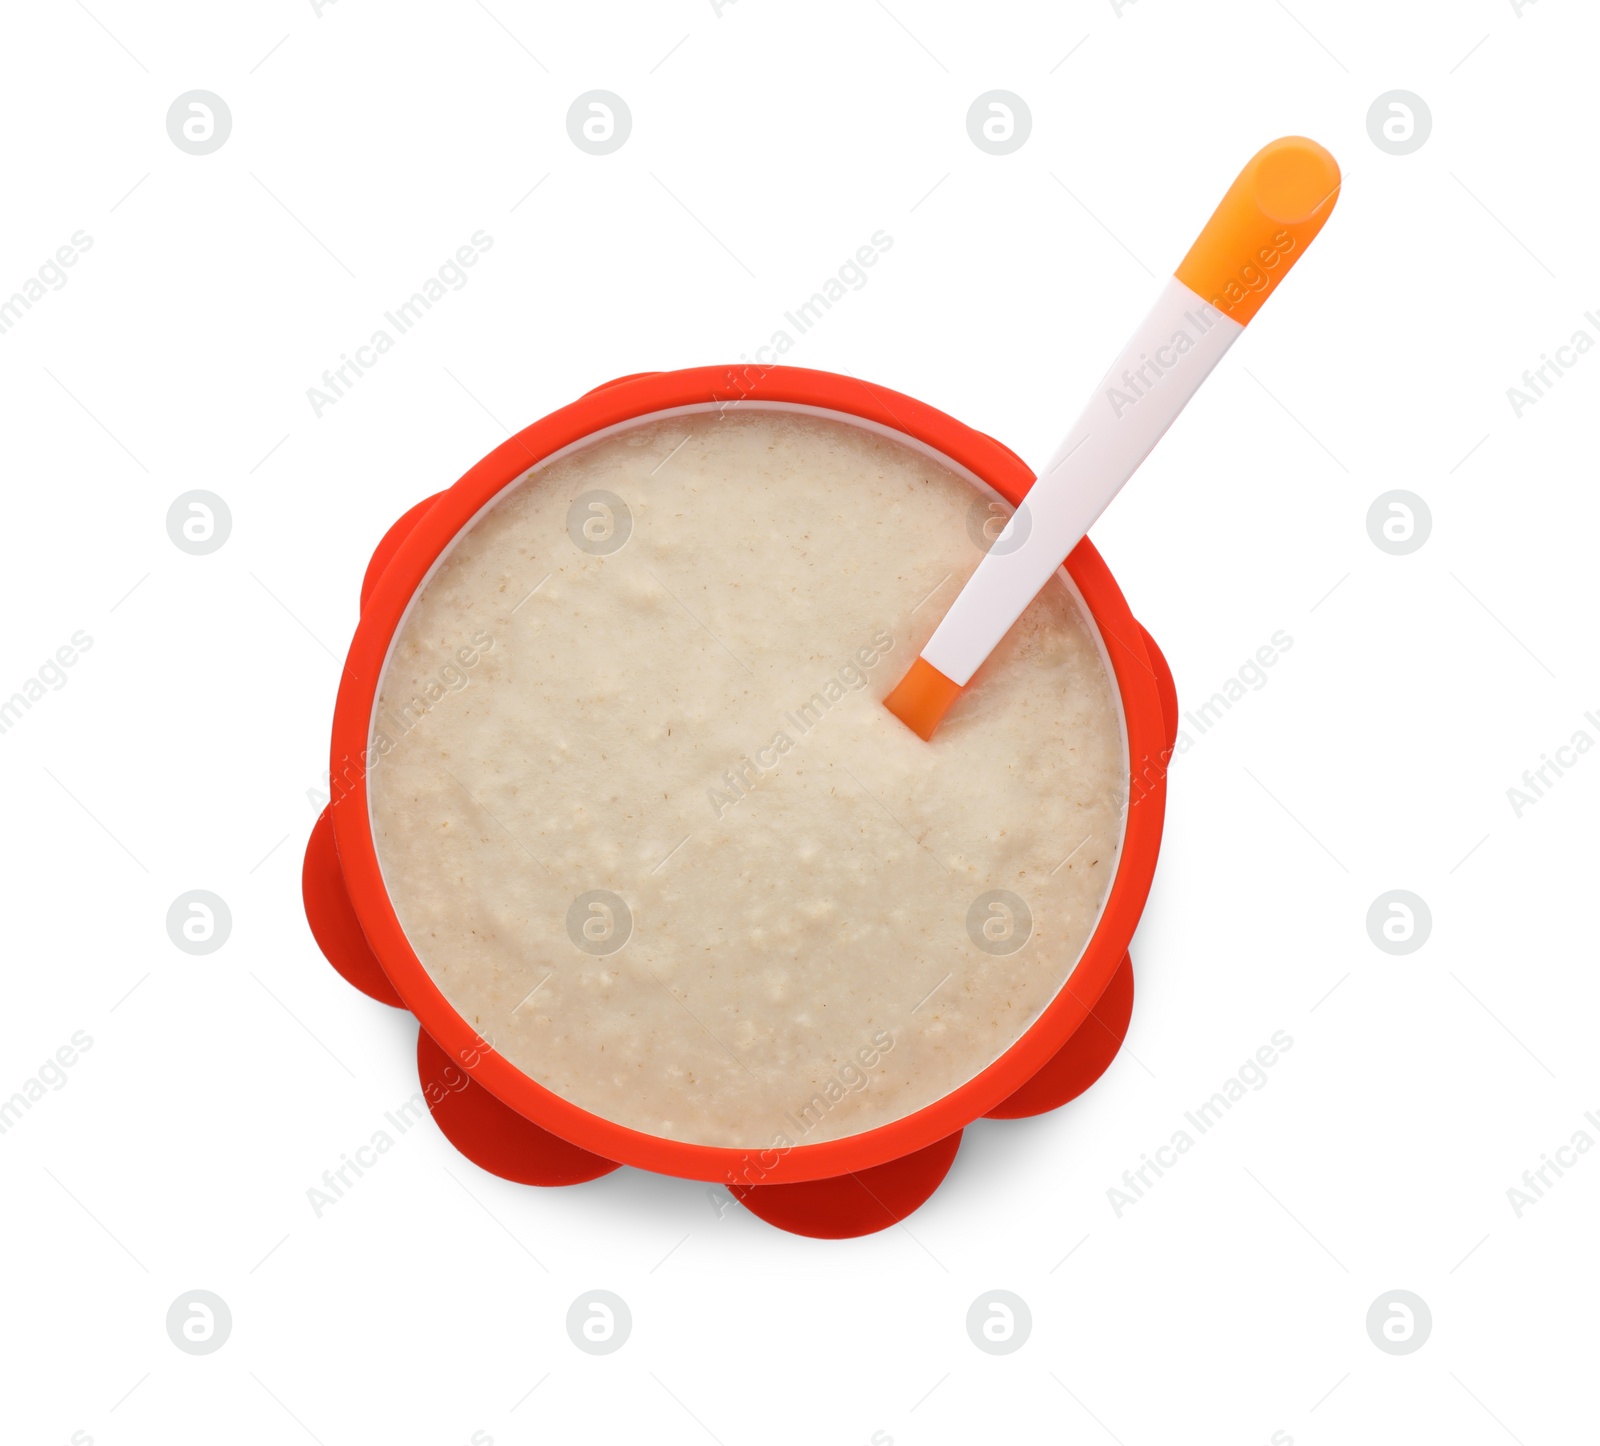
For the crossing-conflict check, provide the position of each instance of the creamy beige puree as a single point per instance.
(649, 828)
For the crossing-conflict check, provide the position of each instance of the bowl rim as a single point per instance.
(412, 559)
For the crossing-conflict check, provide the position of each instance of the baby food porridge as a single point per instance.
(648, 827)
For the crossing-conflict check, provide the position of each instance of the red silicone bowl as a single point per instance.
(508, 1123)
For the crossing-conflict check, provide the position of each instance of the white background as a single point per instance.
(767, 144)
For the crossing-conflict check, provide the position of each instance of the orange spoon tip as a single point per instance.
(922, 698)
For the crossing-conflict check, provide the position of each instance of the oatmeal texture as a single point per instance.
(647, 825)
